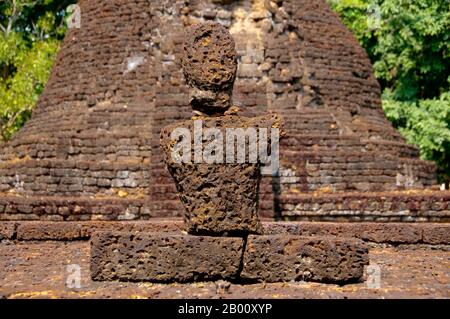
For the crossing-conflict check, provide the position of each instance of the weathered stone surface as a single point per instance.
(154, 226)
(164, 257)
(436, 234)
(219, 191)
(218, 197)
(48, 231)
(209, 65)
(430, 233)
(274, 258)
(7, 230)
(392, 233)
(77, 230)
(389, 233)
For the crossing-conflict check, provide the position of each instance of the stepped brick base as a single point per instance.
(134, 256)
(394, 206)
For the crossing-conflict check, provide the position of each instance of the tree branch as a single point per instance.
(12, 18)
(4, 126)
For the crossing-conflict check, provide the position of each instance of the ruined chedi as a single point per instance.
(91, 149)
(221, 201)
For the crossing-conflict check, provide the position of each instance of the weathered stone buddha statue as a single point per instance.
(215, 158)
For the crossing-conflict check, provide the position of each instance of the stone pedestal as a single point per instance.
(218, 177)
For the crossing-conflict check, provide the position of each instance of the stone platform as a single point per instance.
(413, 259)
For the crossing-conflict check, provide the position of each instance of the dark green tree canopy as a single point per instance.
(408, 42)
(30, 32)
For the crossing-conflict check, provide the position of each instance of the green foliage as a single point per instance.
(358, 16)
(413, 48)
(408, 42)
(30, 32)
(425, 123)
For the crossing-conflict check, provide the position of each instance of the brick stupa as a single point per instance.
(91, 148)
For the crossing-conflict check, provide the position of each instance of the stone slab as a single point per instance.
(436, 234)
(74, 230)
(275, 258)
(165, 225)
(30, 270)
(133, 256)
(389, 233)
(7, 230)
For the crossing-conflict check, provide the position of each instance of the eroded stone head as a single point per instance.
(209, 66)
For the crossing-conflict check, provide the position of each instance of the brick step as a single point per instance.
(173, 116)
(113, 153)
(338, 159)
(391, 233)
(414, 205)
(305, 112)
(323, 142)
(82, 115)
(60, 129)
(371, 128)
(312, 130)
(423, 170)
(402, 149)
(300, 119)
(72, 176)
